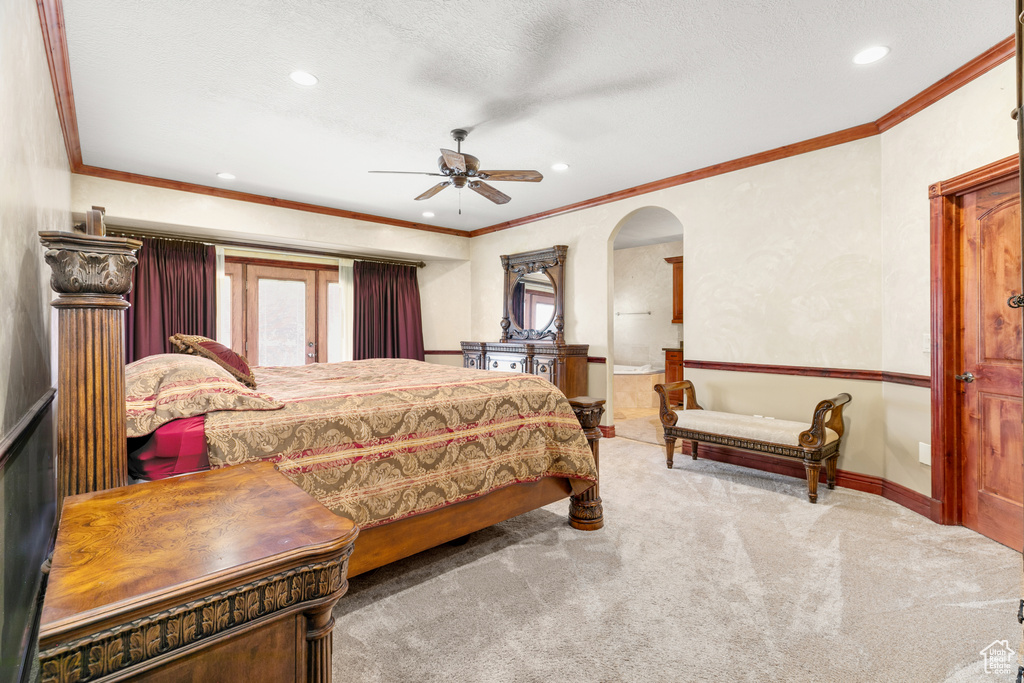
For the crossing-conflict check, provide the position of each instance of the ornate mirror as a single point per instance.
(533, 295)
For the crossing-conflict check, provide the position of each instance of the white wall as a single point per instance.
(642, 287)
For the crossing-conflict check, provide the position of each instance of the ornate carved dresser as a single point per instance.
(226, 575)
(532, 324)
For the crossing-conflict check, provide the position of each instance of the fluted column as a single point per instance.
(320, 640)
(585, 510)
(91, 275)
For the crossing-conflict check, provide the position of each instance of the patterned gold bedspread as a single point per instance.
(379, 440)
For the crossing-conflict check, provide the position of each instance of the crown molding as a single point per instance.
(51, 20)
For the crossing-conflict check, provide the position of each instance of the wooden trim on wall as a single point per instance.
(181, 186)
(804, 371)
(946, 323)
(280, 263)
(983, 63)
(607, 431)
(51, 20)
(20, 430)
(600, 360)
(443, 352)
(897, 493)
(830, 140)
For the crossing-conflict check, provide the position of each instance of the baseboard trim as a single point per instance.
(901, 495)
(607, 431)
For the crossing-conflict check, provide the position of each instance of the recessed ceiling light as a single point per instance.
(871, 54)
(428, 214)
(226, 176)
(304, 78)
(559, 167)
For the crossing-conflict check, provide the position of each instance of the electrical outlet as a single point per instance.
(924, 453)
(926, 344)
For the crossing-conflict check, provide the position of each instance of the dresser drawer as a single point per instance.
(473, 360)
(545, 367)
(673, 355)
(504, 362)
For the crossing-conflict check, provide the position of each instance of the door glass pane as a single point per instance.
(334, 318)
(282, 316)
(224, 311)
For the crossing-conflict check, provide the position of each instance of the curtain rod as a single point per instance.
(134, 232)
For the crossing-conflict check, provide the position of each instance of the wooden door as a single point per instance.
(991, 409)
(280, 315)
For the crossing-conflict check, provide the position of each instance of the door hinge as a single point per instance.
(1020, 613)
(1020, 674)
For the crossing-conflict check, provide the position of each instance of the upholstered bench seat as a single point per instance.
(751, 427)
(816, 443)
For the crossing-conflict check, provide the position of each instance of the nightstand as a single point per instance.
(224, 575)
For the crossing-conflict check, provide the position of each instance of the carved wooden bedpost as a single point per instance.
(585, 510)
(91, 275)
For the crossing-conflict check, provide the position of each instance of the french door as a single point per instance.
(284, 313)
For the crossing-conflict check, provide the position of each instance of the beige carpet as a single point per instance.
(706, 572)
(647, 429)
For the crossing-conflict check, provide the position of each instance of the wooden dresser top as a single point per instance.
(130, 551)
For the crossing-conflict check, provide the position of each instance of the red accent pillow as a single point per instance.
(195, 345)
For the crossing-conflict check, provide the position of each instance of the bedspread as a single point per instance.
(379, 440)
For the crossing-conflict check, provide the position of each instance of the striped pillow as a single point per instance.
(170, 386)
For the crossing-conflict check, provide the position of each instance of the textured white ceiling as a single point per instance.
(625, 92)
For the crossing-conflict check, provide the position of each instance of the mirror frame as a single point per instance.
(549, 261)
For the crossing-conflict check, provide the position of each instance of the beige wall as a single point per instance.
(818, 260)
(34, 195)
(444, 281)
(642, 282)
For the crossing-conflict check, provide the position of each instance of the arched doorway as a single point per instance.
(642, 319)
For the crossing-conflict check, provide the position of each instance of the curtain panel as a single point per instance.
(388, 322)
(174, 292)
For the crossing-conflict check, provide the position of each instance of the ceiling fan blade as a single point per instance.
(492, 193)
(408, 172)
(434, 190)
(527, 176)
(454, 160)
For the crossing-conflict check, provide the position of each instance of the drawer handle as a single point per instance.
(543, 368)
(513, 366)
(495, 364)
(472, 363)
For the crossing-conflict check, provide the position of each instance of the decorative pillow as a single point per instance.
(169, 386)
(237, 365)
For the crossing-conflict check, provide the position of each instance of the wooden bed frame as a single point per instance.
(91, 274)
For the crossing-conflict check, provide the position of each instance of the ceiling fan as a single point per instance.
(463, 170)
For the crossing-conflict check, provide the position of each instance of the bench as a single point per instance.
(814, 443)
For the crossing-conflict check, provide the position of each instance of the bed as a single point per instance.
(378, 441)
(92, 273)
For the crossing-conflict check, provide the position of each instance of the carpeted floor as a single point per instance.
(706, 572)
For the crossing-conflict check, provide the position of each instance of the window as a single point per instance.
(284, 313)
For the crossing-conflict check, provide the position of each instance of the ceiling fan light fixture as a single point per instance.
(224, 175)
(871, 54)
(304, 78)
(560, 167)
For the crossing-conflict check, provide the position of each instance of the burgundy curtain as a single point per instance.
(174, 292)
(388, 322)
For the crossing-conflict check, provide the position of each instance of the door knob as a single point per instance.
(966, 377)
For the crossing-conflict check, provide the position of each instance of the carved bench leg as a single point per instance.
(830, 471)
(670, 449)
(813, 468)
(586, 511)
